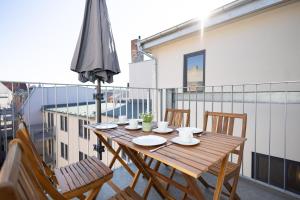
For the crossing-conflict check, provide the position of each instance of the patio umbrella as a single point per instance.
(95, 57)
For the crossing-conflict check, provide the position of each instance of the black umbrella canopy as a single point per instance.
(95, 56)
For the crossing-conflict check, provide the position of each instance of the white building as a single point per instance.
(74, 141)
(40, 96)
(241, 42)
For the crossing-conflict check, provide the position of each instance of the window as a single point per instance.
(63, 123)
(291, 171)
(194, 71)
(80, 127)
(82, 156)
(84, 132)
(50, 120)
(293, 176)
(64, 151)
(50, 147)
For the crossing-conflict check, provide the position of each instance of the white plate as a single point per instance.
(104, 126)
(149, 140)
(194, 129)
(179, 140)
(167, 130)
(136, 128)
(122, 123)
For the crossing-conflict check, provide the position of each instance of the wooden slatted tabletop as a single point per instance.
(191, 160)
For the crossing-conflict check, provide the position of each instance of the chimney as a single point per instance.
(136, 56)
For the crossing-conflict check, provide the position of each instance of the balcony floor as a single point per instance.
(246, 188)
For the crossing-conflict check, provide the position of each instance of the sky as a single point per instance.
(38, 38)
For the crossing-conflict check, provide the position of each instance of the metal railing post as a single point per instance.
(43, 120)
(270, 130)
(161, 104)
(284, 139)
(255, 131)
(13, 110)
(56, 124)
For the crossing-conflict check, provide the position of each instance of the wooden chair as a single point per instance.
(72, 180)
(17, 180)
(175, 117)
(223, 123)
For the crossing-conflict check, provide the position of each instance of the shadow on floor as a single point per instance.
(247, 189)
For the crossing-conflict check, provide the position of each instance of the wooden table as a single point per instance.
(191, 161)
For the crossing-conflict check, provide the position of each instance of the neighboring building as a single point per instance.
(40, 97)
(11, 99)
(242, 42)
(73, 140)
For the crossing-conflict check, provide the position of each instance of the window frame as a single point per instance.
(62, 150)
(185, 59)
(63, 123)
(66, 124)
(80, 155)
(66, 152)
(80, 128)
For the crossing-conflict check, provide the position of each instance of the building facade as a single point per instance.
(206, 64)
(73, 140)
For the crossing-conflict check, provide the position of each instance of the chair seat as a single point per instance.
(126, 194)
(76, 178)
(230, 168)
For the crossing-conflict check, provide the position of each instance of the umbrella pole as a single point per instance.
(98, 117)
(99, 101)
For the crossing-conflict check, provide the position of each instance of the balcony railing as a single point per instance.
(56, 113)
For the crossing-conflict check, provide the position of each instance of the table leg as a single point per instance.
(115, 154)
(135, 179)
(221, 177)
(143, 167)
(193, 187)
(112, 162)
(147, 190)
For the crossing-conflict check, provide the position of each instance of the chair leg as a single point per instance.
(172, 172)
(81, 197)
(93, 193)
(233, 194)
(203, 181)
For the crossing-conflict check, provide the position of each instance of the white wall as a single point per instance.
(59, 95)
(259, 48)
(142, 74)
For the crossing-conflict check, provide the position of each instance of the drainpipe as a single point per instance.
(142, 51)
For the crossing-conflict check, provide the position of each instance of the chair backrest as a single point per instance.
(175, 117)
(17, 181)
(24, 135)
(223, 123)
(36, 166)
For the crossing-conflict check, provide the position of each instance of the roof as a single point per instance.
(222, 15)
(109, 108)
(14, 86)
